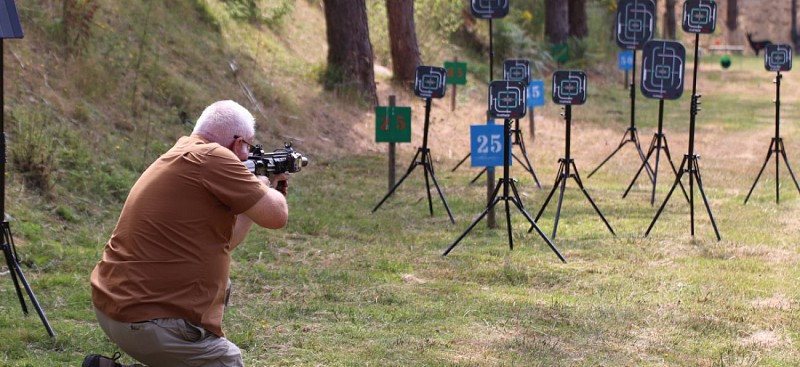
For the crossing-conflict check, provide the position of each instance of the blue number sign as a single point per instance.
(625, 60)
(486, 145)
(535, 93)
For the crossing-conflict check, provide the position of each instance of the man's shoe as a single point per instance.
(96, 360)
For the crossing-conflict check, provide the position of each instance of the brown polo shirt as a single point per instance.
(169, 255)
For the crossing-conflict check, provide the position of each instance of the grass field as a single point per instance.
(343, 286)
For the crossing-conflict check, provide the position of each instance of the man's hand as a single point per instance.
(280, 182)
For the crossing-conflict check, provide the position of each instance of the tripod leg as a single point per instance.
(528, 165)
(777, 171)
(428, 187)
(769, 155)
(518, 202)
(439, 190)
(705, 200)
(478, 176)
(655, 173)
(621, 144)
(413, 165)
(11, 262)
(491, 205)
(16, 273)
(635, 139)
(561, 197)
(691, 194)
(508, 225)
(519, 205)
(674, 170)
(35, 302)
(669, 194)
(785, 160)
(460, 162)
(577, 178)
(636, 176)
(559, 177)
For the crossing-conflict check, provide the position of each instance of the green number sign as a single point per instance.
(392, 124)
(456, 72)
(560, 52)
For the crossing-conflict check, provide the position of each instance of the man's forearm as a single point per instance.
(240, 229)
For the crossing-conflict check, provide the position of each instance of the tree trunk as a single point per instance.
(578, 26)
(403, 40)
(350, 58)
(733, 14)
(556, 24)
(669, 20)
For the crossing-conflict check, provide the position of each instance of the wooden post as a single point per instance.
(532, 124)
(626, 80)
(392, 150)
(453, 95)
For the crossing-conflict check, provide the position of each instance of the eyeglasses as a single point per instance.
(249, 146)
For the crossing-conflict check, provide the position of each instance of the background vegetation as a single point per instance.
(97, 89)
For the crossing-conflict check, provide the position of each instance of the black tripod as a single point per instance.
(7, 245)
(10, 252)
(422, 158)
(516, 140)
(658, 143)
(506, 183)
(690, 164)
(776, 146)
(562, 176)
(631, 135)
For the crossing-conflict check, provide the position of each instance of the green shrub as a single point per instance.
(270, 13)
(31, 147)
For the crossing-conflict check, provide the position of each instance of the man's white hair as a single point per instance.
(222, 120)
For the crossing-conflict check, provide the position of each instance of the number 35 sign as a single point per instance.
(486, 145)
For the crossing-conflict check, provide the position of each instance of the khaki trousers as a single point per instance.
(171, 343)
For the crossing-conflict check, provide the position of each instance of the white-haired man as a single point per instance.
(159, 290)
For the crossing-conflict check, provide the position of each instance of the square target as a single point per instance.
(635, 23)
(663, 65)
(569, 87)
(489, 9)
(429, 81)
(507, 99)
(700, 16)
(516, 69)
(10, 26)
(778, 57)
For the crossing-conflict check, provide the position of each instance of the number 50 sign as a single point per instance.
(486, 145)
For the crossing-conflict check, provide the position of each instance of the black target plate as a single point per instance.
(700, 16)
(778, 57)
(663, 65)
(429, 81)
(489, 9)
(569, 87)
(507, 99)
(517, 69)
(9, 20)
(636, 20)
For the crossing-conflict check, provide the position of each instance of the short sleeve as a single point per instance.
(226, 177)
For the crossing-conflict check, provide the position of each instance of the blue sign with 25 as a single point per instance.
(486, 145)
